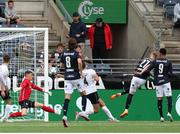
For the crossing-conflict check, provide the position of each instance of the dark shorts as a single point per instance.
(7, 95)
(27, 104)
(93, 97)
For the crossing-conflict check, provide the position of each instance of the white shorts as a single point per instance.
(135, 84)
(164, 90)
(70, 85)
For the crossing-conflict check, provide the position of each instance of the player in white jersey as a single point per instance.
(4, 89)
(90, 80)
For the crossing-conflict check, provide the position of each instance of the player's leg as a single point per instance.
(94, 101)
(114, 96)
(106, 110)
(135, 84)
(8, 102)
(84, 100)
(43, 107)
(68, 89)
(19, 114)
(84, 114)
(159, 95)
(65, 109)
(25, 104)
(168, 94)
(7, 108)
(79, 84)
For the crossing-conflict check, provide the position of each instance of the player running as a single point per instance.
(73, 72)
(137, 81)
(24, 98)
(90, 80)
(4, 90)
(162, 74)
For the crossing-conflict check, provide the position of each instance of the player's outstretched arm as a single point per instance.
(80, 65)
(144, 70)
(40, 89)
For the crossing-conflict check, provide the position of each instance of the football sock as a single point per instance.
(48, 109)
(84, 101)
(108, 113)
(17, 114)
(7, 110)
(160, 108)
(128, 101)
(65, 107)
(169, 100)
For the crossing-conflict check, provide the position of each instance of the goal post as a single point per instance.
(28, 48)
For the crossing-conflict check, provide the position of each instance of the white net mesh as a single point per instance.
(26, 50)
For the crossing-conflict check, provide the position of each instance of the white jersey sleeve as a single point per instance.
(89, 82)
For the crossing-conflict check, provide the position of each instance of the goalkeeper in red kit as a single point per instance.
(24, 102)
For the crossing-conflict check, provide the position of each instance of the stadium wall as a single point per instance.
(143, 107)
(131, 40)
(140, 35)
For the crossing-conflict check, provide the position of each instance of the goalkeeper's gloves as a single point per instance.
(49, 93)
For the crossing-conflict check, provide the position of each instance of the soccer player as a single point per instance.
(162, 74)
(73, 77)
(138, 80)
(90, 80)
(4, 91)
(24, 98)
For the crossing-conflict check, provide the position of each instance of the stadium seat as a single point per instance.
(2, 15)
(169, 11)
(169, 8)
(169, 3)
(160, 2)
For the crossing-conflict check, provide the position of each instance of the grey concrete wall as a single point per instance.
(139, 36)
(131, 40)
(120, 41)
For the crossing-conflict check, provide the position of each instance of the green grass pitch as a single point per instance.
(92, 126)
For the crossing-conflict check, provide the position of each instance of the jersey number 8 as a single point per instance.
(68, 62)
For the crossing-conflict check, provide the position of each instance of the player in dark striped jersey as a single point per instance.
(162, 74)
(73, 77)
(137, 81)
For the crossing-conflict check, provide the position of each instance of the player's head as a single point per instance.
(78, 49)
(153, 55)
(29, 75)
(76, 17)
(6, 59)
(60, 48)
(72, 43)
(10, 3)
(162, 52)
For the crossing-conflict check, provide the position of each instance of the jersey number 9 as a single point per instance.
(161, 67)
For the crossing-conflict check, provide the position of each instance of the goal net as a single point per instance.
(28, 49)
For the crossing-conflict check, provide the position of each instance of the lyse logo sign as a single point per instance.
(87, 8)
